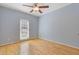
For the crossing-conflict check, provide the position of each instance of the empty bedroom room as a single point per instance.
(39, 28)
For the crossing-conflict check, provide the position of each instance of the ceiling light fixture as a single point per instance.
(36, 7)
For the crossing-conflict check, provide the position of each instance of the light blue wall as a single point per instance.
(61, 25)
(9, 25)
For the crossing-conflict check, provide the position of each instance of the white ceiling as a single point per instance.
(20, 7)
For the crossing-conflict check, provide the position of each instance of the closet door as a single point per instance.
(24, 29)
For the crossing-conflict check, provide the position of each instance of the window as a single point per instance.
(24, 29)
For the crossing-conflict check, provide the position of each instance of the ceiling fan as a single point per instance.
(36, 7)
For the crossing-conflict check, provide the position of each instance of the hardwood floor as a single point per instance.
(37, 47)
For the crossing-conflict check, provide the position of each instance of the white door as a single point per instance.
(24, 29)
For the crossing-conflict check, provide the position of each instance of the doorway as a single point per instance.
(24, 29)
